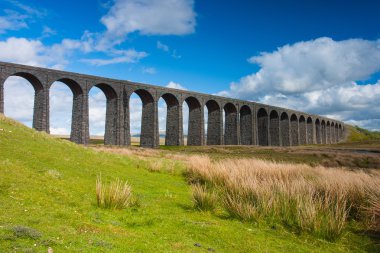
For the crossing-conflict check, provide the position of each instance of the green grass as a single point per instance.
(358, 134)
(48, 199)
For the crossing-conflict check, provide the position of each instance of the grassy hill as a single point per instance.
(357, 134)
(47, 199)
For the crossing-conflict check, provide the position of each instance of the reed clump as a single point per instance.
(115, 195)
(309, 199)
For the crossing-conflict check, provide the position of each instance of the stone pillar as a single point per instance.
(230, 129)
(126, 115)
(246, 127)
(195, 134)
(238, 127)
(214, 126)
(180, 125)
(172, 124)
(110, 134)
(2, 95)
(79, 123)
(41, 109)
(149, 124)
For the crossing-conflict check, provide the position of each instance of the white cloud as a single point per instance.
(149, 70)
(174, 85)
(12, 21)
(317, 76)
(162, 46)
(150, 17)
(128, 56)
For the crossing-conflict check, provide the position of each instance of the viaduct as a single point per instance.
(245, 123)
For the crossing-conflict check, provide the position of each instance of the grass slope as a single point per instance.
(47, 199)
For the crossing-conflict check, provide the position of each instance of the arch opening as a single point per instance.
(103, 114)
(262, 127)
(67, 109)
(172, 121)
(230, 125)
(25, 100)
(285, 129)
(274, 128)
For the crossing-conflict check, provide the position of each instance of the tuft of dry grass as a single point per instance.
(203, 199)
(304, 198)
(115, 195)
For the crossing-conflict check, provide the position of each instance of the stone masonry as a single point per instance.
(230, 121)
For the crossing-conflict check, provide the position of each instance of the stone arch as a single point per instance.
(195, 123)
(230, 124)
(310, 131)
(284, 129)
(294, 130)
(262, 127)
(79, 122)
(110, 132)
(214, 123)
(323, 131)
(302, 131)
(40, 120)
(246, 136)
(328, 132)
(318, 132)
(172, 132)
(274, 128)
(149, 125)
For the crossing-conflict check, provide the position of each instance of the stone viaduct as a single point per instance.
(245, 123)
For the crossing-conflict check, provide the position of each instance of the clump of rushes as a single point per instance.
(115, 195)
(203, 199)
(303, 198)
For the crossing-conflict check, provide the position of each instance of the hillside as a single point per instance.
(47, 199)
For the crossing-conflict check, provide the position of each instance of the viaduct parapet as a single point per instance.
(245, 122)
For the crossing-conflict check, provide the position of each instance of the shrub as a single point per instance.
(203, 199)
(116, 195)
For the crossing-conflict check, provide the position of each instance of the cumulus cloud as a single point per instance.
(175, 85)
(162, 46)
(318, 76)
(150, 17)
(122, 56)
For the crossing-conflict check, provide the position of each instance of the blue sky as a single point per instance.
(318, 56)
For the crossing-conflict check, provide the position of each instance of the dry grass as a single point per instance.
(116, 195)
(304, 198)
(203, 198)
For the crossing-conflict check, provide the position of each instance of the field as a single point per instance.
(48, 198)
